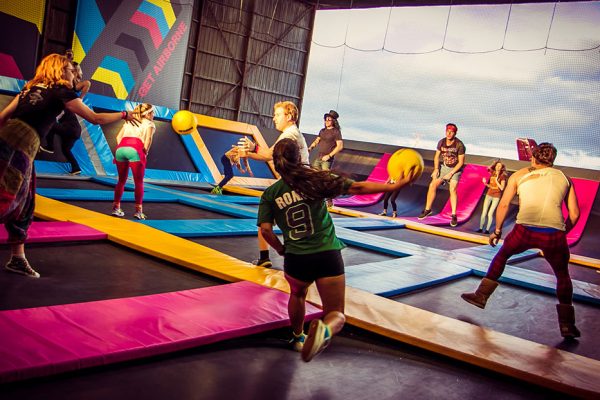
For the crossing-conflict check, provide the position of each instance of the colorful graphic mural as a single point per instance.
(125, 48)
(20, 31)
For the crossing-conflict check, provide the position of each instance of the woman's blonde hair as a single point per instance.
(143, 109)
(50, 72)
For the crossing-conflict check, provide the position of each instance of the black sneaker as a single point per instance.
(21, 266)
(453, 221)
(265, 263)
(383, 213)
(425, 213)
(479, 230)
(76, 172)
(47, 149)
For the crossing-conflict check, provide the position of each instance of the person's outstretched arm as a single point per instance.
(266, 229)
(314, 143)
(572, 206)
(502, 210)
(366, 187)
(76, 106)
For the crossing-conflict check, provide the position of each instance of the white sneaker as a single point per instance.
(21, 266)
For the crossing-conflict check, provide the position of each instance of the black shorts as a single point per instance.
(310, 267)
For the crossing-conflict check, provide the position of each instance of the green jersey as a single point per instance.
(306, 224)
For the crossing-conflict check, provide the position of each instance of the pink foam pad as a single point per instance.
(469, 191)
(586, 194)
(49, 340)
(56, 232)
(379, 174)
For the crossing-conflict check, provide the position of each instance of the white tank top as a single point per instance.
(541, 194)
(138, 131)
(292, 132)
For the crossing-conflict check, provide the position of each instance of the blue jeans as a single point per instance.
(489, 207)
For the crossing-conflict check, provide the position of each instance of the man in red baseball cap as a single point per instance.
(451, 151)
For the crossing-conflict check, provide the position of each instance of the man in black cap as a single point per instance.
(329, 141)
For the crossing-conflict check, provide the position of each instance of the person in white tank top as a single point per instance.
(540, 224)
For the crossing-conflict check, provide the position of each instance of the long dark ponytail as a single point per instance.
(308, 182)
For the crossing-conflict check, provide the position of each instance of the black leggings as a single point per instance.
(390, 196)
(69, 131)
(227, 170)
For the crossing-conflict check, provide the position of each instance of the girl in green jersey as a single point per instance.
(311, 250)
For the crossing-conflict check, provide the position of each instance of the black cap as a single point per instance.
(332, 113)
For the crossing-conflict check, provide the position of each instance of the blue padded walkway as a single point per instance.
(402, 275)
(247, 226)
(194, 200)
(582, 291)
(150, 196)
(488, 252)
(102, 195)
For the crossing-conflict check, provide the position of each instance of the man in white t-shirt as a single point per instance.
(285, 116)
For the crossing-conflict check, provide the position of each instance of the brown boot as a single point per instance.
(485, 290)
(566, 321)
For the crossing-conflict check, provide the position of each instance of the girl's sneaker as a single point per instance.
(297, 342)
(139, 215)
(317, 340)
(118, 212)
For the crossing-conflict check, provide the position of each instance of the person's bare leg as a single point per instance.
(431, 193)
(17, 250)
(297, 303)
(453, 195)
(333, 291)
(262, 243)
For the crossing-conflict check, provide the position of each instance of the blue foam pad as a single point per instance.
(402, 275)
(251, 200)
(384, 245)
(205, 202)
(488, 252)
(582, 291)
(365, 224)
(51, 167)
(234, 210)
(109, 181)
(102, 195)
(546, 283)
(214, 227)
(205, 227)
